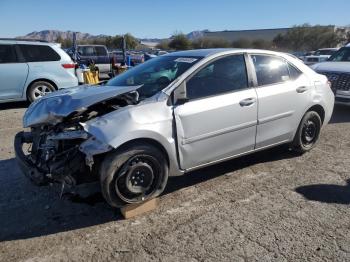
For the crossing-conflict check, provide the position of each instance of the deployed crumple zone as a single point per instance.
(173, 114)
(59, 143)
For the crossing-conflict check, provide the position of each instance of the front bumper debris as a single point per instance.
(26, 166)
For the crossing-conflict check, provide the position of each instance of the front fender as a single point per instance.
(148, 121)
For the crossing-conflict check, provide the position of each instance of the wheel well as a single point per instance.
(44, 80)
(149, 141)
(319, 110)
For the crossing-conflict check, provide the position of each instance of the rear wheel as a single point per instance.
(133, 175)
(308, 132)
(39, 89)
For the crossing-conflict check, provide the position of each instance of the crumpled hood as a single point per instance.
(52, 108)
(332, 67)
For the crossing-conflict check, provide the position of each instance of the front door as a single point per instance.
(13, 75)
(219, 120)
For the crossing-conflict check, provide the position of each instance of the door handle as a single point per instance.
(247, 101)
(301, 89)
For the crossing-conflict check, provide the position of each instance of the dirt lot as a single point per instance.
(271, 206)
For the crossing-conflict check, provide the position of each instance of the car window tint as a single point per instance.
(38, 53)
(7, 54)
(100, 51)
(86, 50)
(223, 75)
(270, 69)
(294, 72)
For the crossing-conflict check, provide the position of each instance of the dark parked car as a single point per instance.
(97, 53)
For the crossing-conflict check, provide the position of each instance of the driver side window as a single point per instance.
(224, 75)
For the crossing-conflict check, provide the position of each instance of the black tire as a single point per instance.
(308, 132)
(39, 89)
(133, 174)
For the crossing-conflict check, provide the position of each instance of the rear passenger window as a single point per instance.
(38, 53)
(7, 54)
(270, 69)
(100, 51)
(223, 75)
(294, 72)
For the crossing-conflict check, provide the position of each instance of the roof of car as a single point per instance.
(25, 41)
(201, 52)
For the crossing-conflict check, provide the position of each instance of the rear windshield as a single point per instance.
(155, 74)
(342, 55)
(38, 53)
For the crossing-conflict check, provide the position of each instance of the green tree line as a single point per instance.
(298, 38)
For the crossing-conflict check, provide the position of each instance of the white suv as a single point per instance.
(31, 69)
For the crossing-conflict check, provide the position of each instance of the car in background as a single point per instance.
(31, 69)
(337, 70)
(148, 56)
(93, 53)
(132, 57)
(319, 56)
(170, 115)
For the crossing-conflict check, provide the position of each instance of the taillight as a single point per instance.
(68, 66)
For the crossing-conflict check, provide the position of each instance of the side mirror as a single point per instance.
(180, 94)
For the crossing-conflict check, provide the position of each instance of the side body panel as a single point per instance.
(214, 128)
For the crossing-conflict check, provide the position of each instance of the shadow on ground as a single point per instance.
(29, 211)
(341, 114)
(332, 194)
(13, 105)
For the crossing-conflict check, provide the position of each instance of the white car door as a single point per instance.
(13, 74)
(219, 120)
(284, 95)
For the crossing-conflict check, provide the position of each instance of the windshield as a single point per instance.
(325, 52)
(342, 55)
(155, 74)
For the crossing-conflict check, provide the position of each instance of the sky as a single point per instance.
(162, 18)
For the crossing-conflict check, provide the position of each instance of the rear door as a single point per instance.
(219, 120)
(13, 73)
(284, 94)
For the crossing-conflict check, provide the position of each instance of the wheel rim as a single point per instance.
(309, 133)
(138, 178)
(41, 90)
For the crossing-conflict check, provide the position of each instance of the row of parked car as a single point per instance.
(32, 69)
(317, 56)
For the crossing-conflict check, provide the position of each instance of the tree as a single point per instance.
(164, 45)
(210, 43)
(305, 38)
(180, 42)
(261, 44)
(242, 43)
(59, 39)
(131, 41)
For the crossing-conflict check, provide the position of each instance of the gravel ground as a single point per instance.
(270, 206)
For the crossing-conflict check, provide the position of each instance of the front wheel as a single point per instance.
(308, 132)
(133, 174)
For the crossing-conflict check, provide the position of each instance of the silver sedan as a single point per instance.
(173, 114)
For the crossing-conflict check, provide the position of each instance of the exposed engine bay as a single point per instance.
(58, 149)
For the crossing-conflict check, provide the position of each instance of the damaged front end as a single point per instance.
(57, 148)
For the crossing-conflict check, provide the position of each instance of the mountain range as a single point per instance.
(53, 35)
